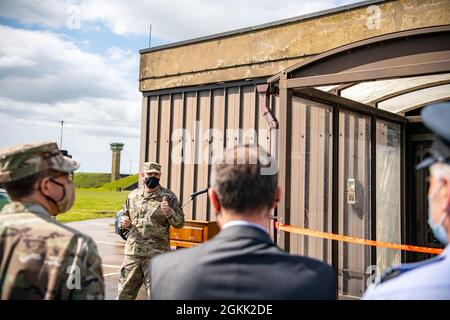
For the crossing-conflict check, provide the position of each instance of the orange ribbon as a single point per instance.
(338, 237)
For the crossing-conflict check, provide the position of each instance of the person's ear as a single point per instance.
(214, 200)
(445, 195)
(277, 197)
(43, 185)
(142, 175)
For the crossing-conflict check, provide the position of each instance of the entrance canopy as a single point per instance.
(342, 140)
(396, 72)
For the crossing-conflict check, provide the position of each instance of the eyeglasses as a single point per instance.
(69, 176)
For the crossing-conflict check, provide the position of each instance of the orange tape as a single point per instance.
(338, 237)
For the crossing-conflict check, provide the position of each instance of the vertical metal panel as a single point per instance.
(233, 112)
(354, 219)
(218, 123)
(190, 109)
(284, 152)
(248, 114)
(176, 181)
(203, 147)
(164, 137)
(263, 129)
(298, 154)
(311, 163)
(153, 129)
(219, 114)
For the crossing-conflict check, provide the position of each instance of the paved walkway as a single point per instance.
(110, 247)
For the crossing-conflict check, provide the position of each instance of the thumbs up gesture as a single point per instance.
(165, 205)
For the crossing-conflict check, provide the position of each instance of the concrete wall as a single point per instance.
(265, 52)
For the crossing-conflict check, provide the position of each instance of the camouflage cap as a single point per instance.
(24, 160)
(149, 167)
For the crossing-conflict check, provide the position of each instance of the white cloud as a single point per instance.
(172, 20)
(45, 78)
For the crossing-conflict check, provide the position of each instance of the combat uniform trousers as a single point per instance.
(133, 273)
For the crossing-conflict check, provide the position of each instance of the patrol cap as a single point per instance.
(24, 160)
(149, 167)
(437, 118)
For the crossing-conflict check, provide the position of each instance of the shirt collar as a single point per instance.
(234, 223)
(18, 207)
(144, 191)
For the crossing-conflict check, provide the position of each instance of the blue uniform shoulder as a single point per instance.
(397, 270)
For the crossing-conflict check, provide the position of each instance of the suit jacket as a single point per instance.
(241, 262)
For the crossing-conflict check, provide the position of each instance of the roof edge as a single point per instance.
(268, 25)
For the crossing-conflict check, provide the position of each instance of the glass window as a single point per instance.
(388, 192)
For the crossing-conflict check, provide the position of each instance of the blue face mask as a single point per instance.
(438, 228)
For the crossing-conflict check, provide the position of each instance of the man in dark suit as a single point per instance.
(241, 262)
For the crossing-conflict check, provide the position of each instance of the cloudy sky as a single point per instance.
(78, 61)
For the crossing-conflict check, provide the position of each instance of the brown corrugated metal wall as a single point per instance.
(311, 164)
(197, 110)
(236, 106)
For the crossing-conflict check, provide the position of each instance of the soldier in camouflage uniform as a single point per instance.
(41, 258)
(148, 213)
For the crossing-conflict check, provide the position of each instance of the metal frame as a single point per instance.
(211, 86)
(339, 103)
(375, 102)
(382, 57)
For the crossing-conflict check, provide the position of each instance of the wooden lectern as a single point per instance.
(193, 233)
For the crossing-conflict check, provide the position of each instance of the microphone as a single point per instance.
(199, 193)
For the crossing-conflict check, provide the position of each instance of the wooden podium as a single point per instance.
(193, 233)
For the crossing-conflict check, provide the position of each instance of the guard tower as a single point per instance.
(115, 170)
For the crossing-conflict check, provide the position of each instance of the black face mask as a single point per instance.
(151, 182)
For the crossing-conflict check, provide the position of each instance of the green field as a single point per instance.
(93, 203)
(91, 179)
(121, 183)
(96, 196)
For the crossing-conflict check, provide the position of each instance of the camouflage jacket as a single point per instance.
(41, 258)
(149, 232)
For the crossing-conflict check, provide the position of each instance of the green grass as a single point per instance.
(91, 179)
(94, 203)
(121, 183)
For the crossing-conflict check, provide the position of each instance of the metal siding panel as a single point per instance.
(177, 143)
(233, 110)
(164, 137)
(218, 122)
(320, 184)
(202, 167)
(354, 219)
(343, 144)
(153, 130)
(263, 128)
(296, 172)
(189, 166)
(248, 114)
(329, 182)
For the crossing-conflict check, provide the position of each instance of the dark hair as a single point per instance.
(242, 185)
(22, 188)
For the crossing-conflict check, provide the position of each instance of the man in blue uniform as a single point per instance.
(428, 279)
